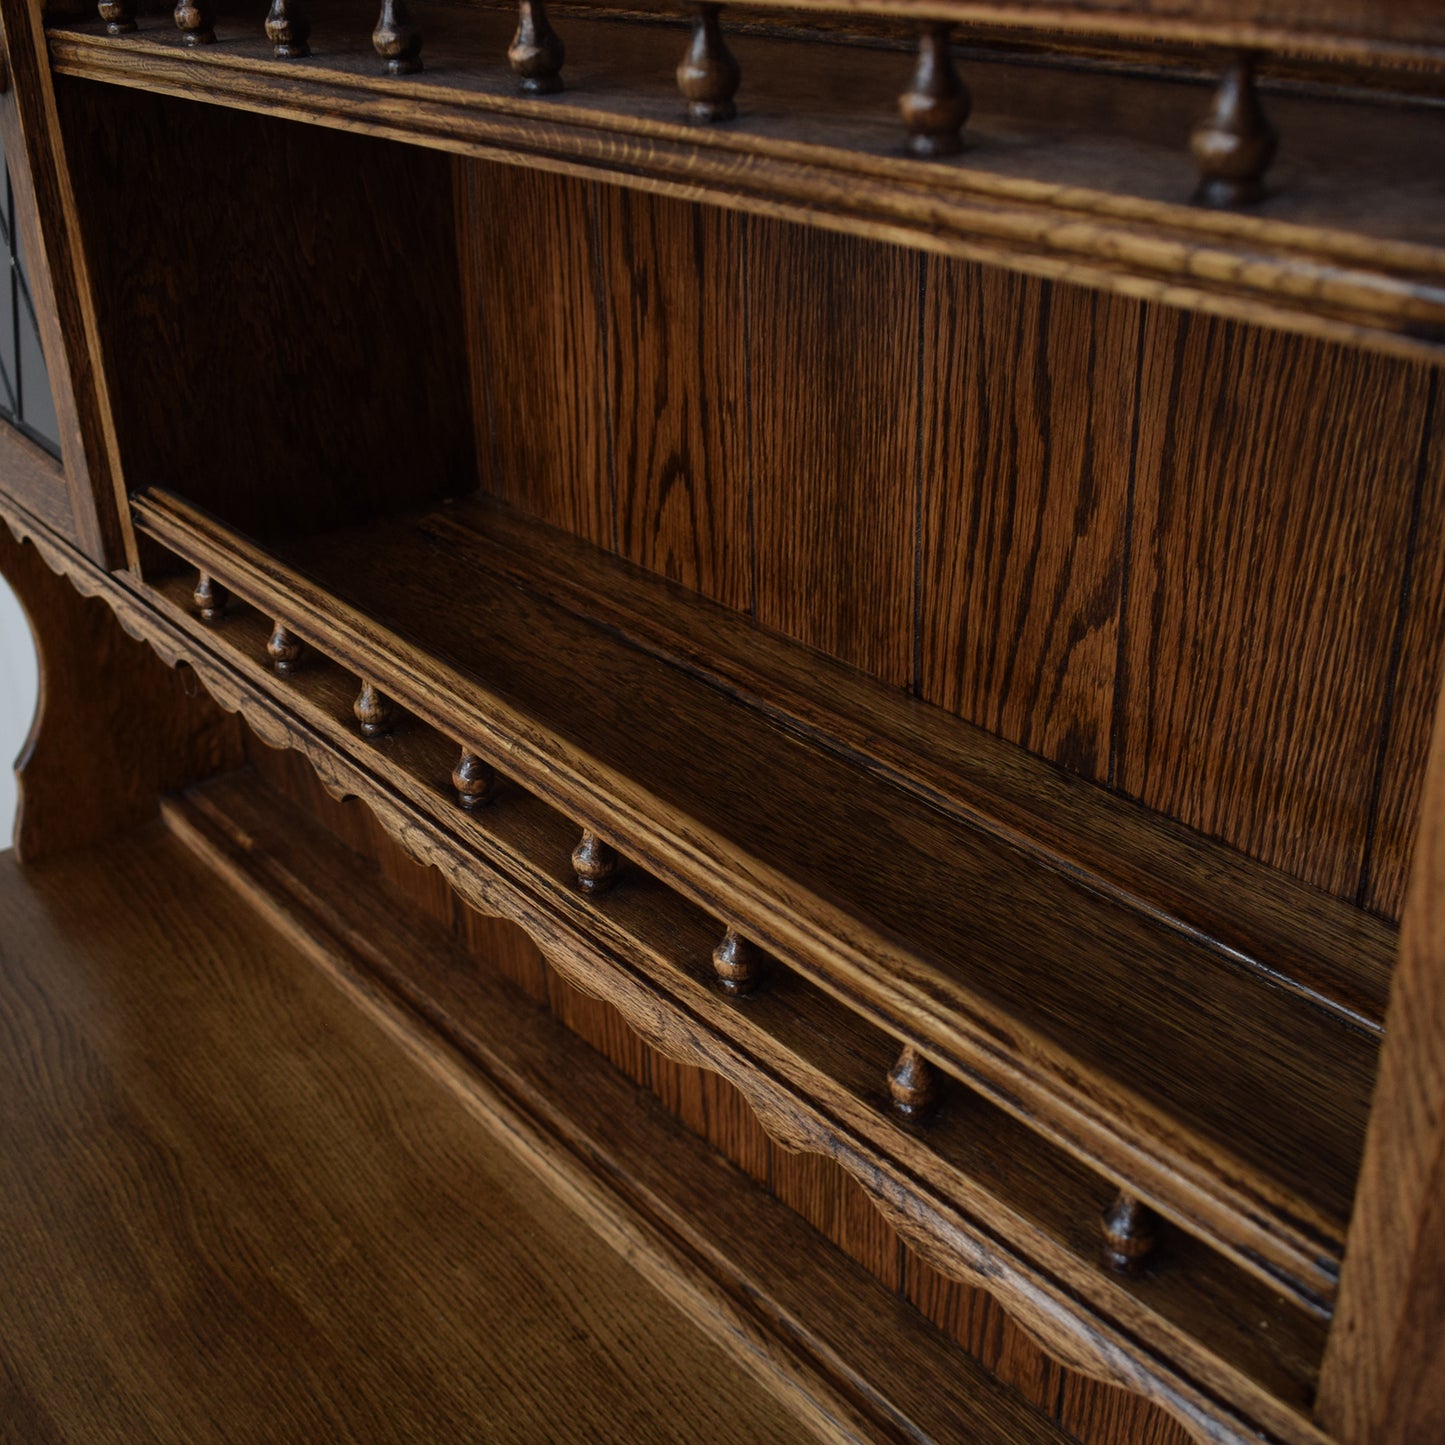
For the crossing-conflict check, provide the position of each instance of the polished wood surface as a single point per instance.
(235, 1200)
(1062, 177)
(969, 731)
(1245, 1114)
(97, 758)
(1000, 494)
(1198, 1337)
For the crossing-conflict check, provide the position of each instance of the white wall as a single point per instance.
(19, 689)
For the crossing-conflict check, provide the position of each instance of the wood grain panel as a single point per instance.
(1274, 491)
(1028, 426)
(281, 329)
(1415, 689)
(834, 338)
(537, 344)
(813, 1187)
(672, 285)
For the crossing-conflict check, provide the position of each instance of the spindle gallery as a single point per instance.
(738, 722)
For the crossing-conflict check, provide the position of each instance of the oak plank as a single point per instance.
(537, 345)
(1029, 428)
(835, 461)
(1275, 487)
(271, 1224)
(672, 283)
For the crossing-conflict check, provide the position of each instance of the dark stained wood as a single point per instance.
(937, 103)
(1029, 428)
(913, 1085)
(210, 600)
(537, 52)
(1263, 595)
(1244, 1118)
(115, 728)
(1335, 953)
(904, 1377)
(1130, 1231)
(740, 966)
(1416, 688)
(330, 310)
(49, 230)
(708, 74)
(119, 16)
(288, 28)
(595, 864)
(1383, 1378)
(197, 1195)
(1060, 180)
(835, 462)
(673, 283)
(1234, 144)
(285, 649)
(196, 20)
(375, 713)
(1237, 1334)
(476, 781)
(396, 40)
(529, 280)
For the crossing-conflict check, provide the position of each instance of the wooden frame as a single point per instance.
(1383, 1363)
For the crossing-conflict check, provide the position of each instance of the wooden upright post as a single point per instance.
(1383, 1378)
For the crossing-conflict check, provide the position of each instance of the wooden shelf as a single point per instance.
(1116, 1029)
(259, 1194)
(1078, 175)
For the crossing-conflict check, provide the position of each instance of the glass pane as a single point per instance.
(25, 397)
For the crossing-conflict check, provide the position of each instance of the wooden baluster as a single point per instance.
(536, 52)
(708, 75)
(285, 650)
(396, 39)
(210, 598)
(738, 964)
(288, 29)
(595, 863)
(913, 1085)
(936, 106)
(119, 16)
(475, 781)
(196, 20)
(1129, 1234)
(374, 711)
(1234, 143)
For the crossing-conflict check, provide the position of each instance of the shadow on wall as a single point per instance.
(19, 693)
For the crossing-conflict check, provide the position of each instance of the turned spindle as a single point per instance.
(912, 1085)
(396, 39)
(1129, 1234)
(288, 29)
(119, 16)
(937, 104)
(595, 863)
(374, 711)
(285, 649)
(536, 52)
(708, 75)
(210, 598)
(1234, 143)
(474, 780)
(738, 964)
(196, 20)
